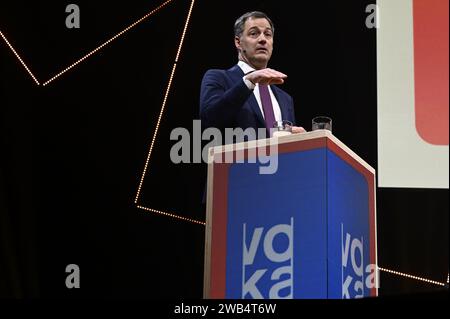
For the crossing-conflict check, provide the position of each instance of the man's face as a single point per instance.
(256, 42)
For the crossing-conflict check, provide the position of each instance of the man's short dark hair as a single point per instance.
(240, 22)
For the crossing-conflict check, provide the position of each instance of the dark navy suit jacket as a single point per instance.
(225, 101)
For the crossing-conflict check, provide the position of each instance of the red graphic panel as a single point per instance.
(431, 69)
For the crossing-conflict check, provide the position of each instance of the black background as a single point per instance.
(72, 152)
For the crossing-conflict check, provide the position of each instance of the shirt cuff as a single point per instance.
(248, 83)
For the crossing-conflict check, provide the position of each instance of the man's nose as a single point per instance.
(262, 38)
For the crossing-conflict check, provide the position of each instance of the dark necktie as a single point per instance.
(267, 106)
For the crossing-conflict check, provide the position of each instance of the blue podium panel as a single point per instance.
(276, 231)
(348, 230)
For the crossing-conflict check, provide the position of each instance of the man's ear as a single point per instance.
(237, 43)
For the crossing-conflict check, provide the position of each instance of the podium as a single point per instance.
(290, 217)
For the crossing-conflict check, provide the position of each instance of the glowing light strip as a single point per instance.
(108, 42)
(169, 85)
(155, 133)
(19, 58)
(184, 31)
(413, 277)
(171, 215)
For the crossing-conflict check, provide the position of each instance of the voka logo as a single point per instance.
(356, 276)
(267, 267)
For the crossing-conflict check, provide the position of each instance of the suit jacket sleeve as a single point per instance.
(221, 100)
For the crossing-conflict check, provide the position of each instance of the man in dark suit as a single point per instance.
(245, 96)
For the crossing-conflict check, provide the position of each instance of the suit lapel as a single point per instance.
(284, 112)
(236, 75)
(255, 107)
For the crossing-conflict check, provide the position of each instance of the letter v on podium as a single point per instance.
(259, 257)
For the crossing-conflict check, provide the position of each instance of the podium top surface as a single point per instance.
(293, 138)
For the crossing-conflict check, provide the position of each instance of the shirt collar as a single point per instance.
(245, 67)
